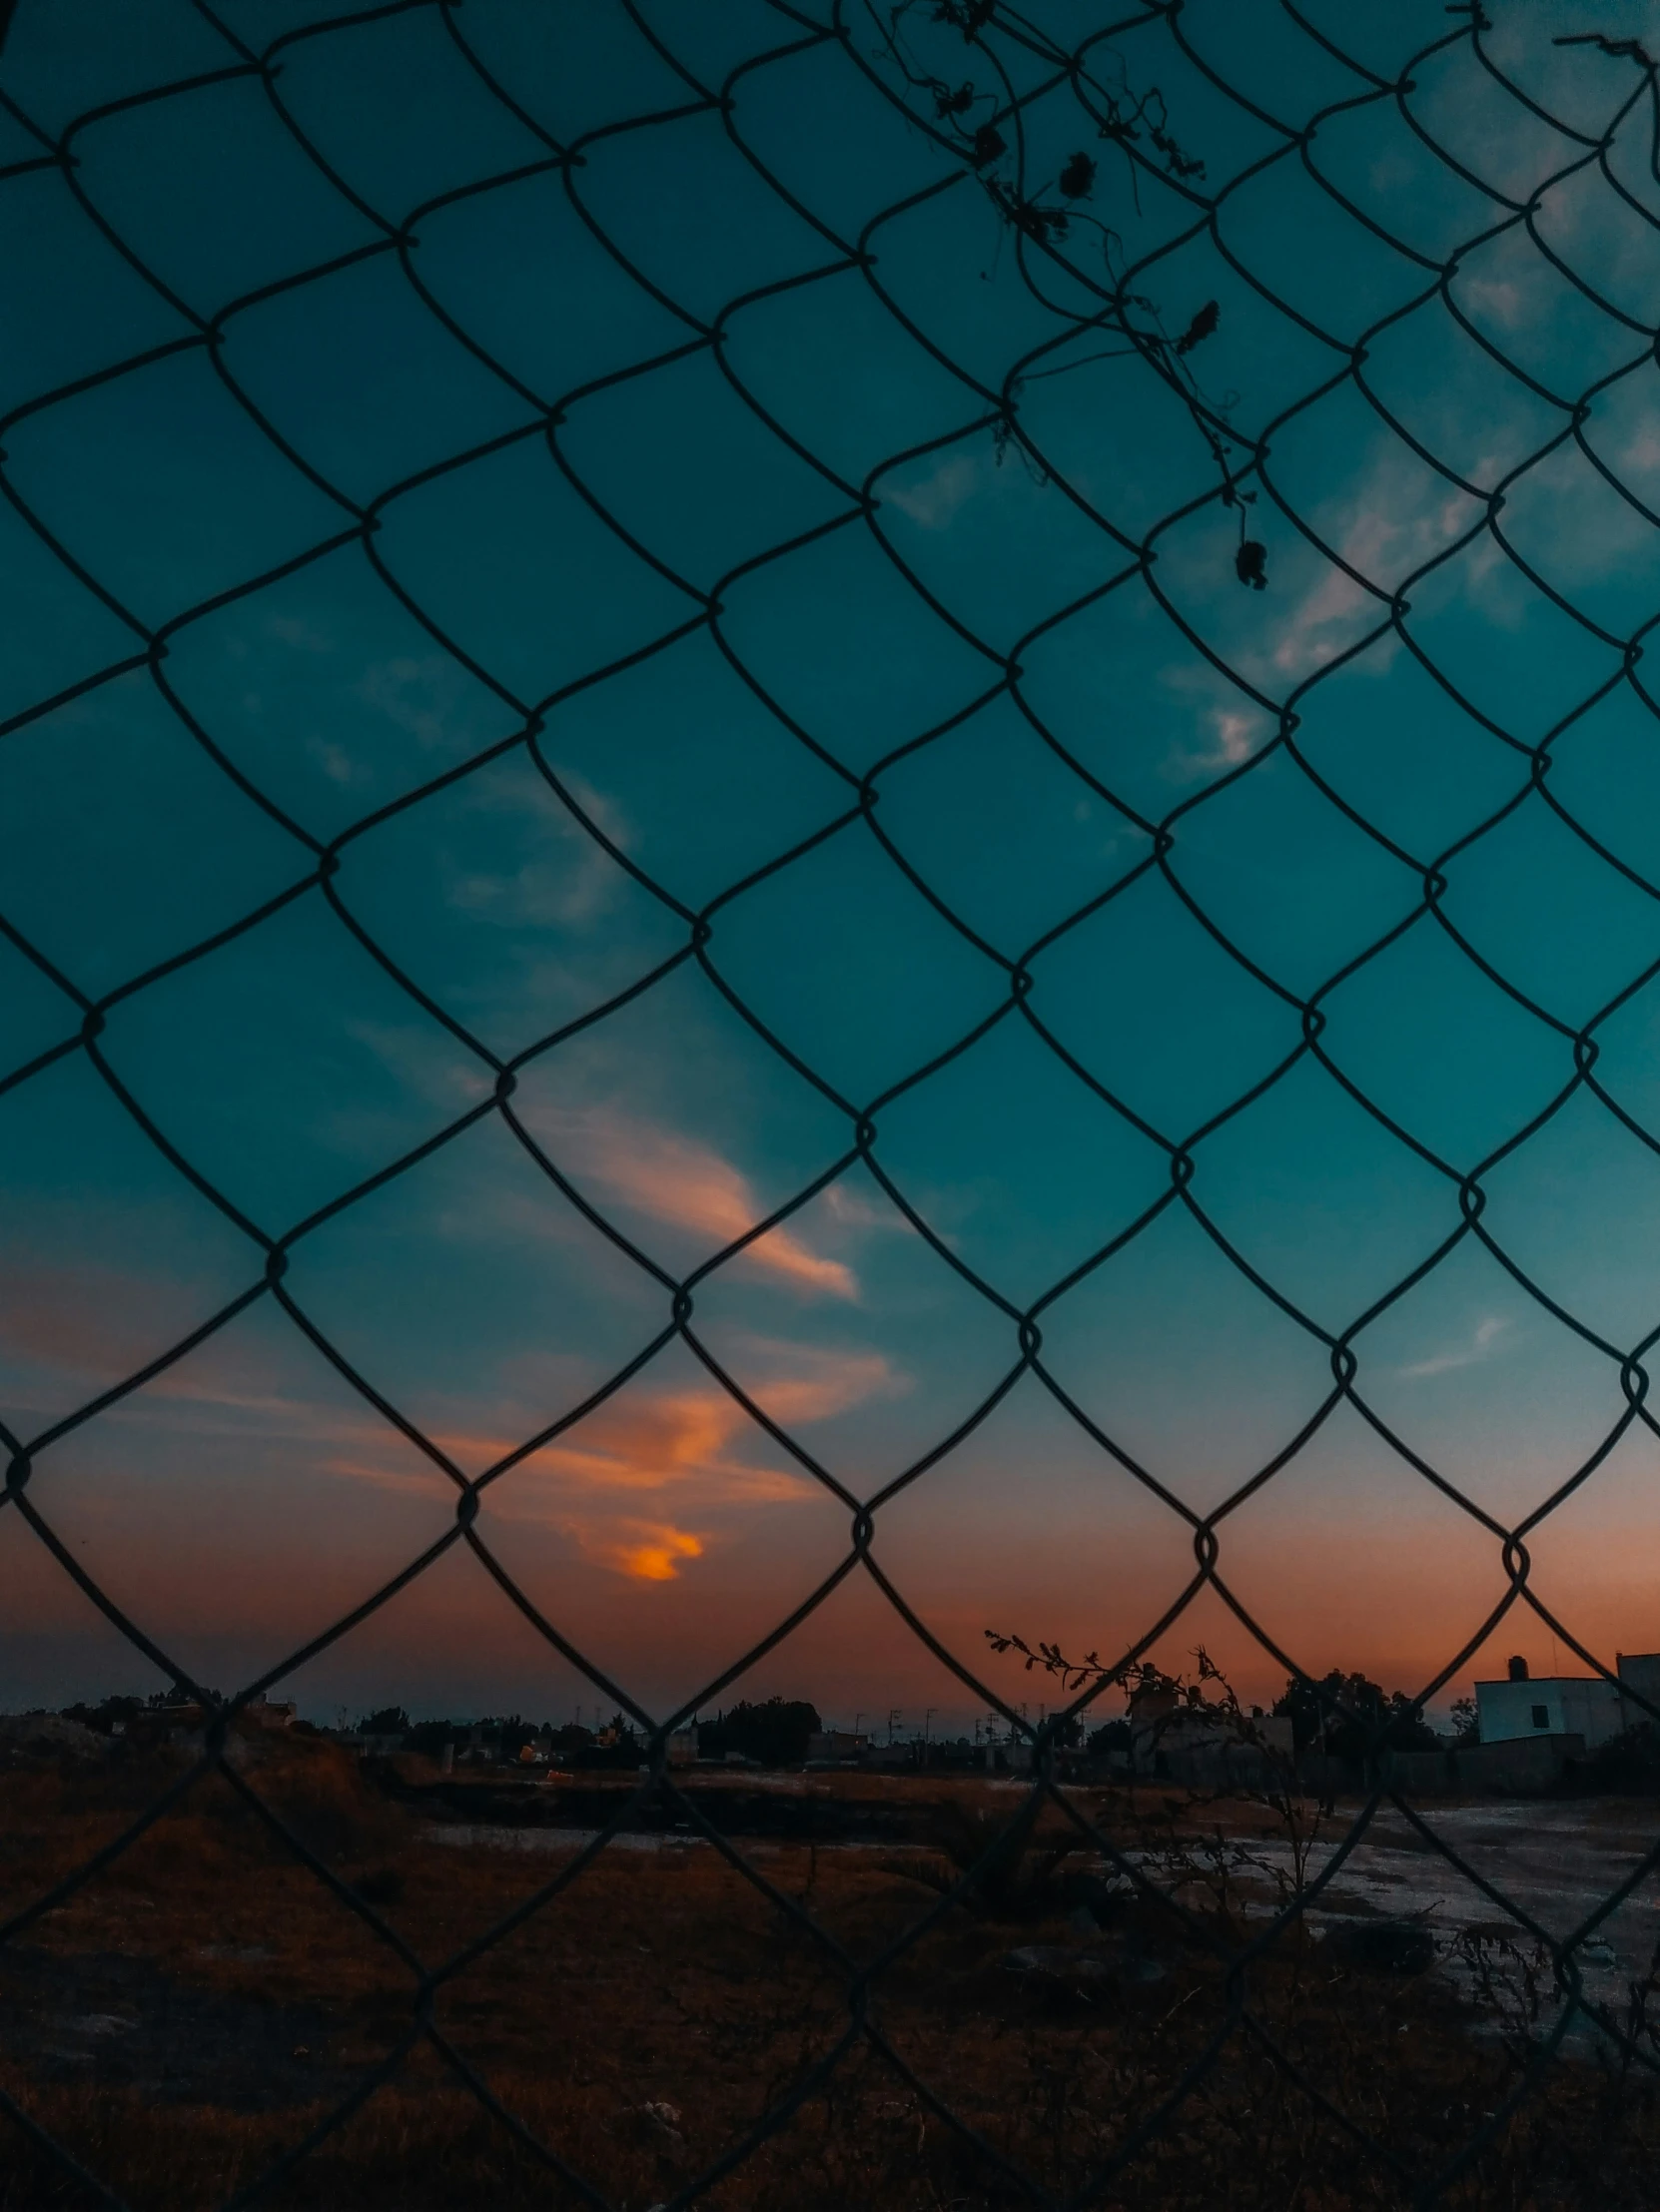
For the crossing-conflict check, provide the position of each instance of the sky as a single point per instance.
(659, 853)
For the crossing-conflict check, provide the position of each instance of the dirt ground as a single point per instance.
(207, 2004)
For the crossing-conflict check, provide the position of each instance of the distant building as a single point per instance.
(897, 1758)
(1203, 1746)
(1640, 1671)
(955, 1754)
(1524, 1704)
(682, 1747)
(270, 1713)
(836, 1742)
(366, 1746)
(184, 1725)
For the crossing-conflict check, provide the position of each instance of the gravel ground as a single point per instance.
(1558, 1863)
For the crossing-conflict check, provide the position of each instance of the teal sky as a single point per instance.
(598, 639)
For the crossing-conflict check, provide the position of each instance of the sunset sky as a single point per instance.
(764, 755)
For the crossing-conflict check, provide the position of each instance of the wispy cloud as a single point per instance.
(653, 1481)
(796, 1384)
(855, 1209)
(1487, 1333)
(85, 1320)
(419, 695)
(933, 499)
(686, 1450)
(677, 1179)
(1389, 522)
(423, 1058)
(686, 1445)
(296, 631)
(555, 875)
(680, 1440)
(1225, 726)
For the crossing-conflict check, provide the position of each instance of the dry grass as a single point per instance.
(643, 2020)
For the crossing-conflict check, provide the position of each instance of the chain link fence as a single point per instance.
(1109, 161)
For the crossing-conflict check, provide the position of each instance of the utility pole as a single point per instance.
(858, 1722)
(928, 1713)
(895, 1714)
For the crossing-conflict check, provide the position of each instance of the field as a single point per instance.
(206, 2002)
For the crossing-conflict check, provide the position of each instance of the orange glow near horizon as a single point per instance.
(667, 1520)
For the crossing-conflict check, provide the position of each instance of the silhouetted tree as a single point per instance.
(1351, 1718)
(106, 1714)
(775, 1733)
(388, 1720)
(429, 1736)
(510, 1733)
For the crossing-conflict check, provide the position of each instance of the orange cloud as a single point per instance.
(689, 1441)
(693, 1437)
(675, 1438)
(675, 1178)
(686, 1450)
(654, 1553)
(836, 1382)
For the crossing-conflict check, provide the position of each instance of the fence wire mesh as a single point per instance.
(1109, 161)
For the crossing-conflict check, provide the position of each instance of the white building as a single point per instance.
(1640, 1671)
(1564, 1704)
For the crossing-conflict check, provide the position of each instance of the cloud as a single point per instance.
(859, 1211)
(686, 1447)
(1397, 517)
(677, 1179)
(691, 1444)
(1500, 299)
(1234, 734)
(648, 1437)
(70, 1332)
(334, 761)
(295, 630)
(424, 697)
(932, 500)
(564, 878)
(804, 1382)
(88, 1320)
(424, 1061)
(1487, 1335)
(1234, 726)
(686, 1443)
(670, 1439)
(245, 1398)
(651, 1552)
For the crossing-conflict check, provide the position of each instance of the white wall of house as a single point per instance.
(1553, 1705)
(1640, 1671)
